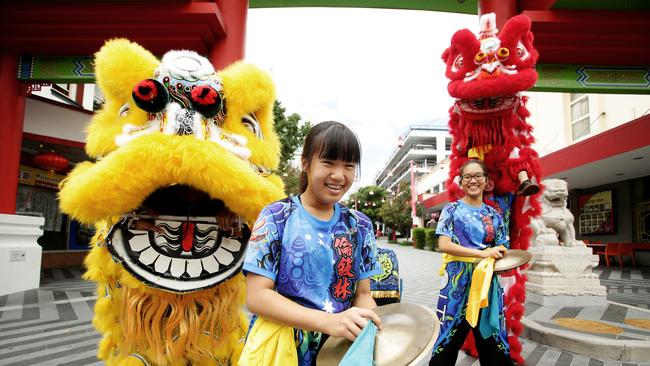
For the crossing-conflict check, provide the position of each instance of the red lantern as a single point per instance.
(51, 161)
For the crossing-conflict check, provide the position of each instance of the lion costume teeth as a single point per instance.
(188, 254)
(178, 145)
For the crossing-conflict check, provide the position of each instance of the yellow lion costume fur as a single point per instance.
(178, 146)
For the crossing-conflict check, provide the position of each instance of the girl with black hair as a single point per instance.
(309, 260)
(468, 230)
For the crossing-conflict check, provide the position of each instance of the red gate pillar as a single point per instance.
(230, 49)
(12, 105)
(504, 9)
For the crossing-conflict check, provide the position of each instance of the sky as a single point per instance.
(376, 70)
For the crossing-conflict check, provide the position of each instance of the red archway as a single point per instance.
(578, 32)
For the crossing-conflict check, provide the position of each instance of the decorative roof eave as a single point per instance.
(81, 28)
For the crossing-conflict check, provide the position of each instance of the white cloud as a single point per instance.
(377, 70)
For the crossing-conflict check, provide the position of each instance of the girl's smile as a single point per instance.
(329, 179)
(334, 187)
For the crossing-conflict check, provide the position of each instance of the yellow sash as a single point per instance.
(479, 287)
(269, 344)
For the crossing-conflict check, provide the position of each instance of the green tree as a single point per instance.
(292, 131)
(368, 200)
(396, 212)
(291, 179)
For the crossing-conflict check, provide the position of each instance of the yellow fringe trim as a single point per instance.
(385, 294)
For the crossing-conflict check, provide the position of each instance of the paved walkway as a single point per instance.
(52, 325)
(419, 270)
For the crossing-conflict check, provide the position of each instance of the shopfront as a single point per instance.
(44, 163)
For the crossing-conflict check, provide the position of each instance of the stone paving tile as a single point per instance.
(47, 326)
(415, 263)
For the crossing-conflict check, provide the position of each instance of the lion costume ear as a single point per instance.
(119, 66)
(247, 88)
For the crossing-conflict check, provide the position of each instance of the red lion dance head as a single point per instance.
(488, 122)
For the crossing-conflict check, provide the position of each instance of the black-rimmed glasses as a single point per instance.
(466, 178)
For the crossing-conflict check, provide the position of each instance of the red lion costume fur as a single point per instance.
(488, 120)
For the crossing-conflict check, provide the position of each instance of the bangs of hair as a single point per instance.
(338, 143)
(473, 161)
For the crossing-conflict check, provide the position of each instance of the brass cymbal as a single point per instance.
(408, 334)
(515, 258)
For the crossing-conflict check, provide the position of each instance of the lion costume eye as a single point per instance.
(150, 95)
(124, 110)
(480, 58)
(206, 100)
(250, 122)
(458, 63)
(522, 52)
(503, 53)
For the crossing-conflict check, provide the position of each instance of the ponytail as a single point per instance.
(302, 185)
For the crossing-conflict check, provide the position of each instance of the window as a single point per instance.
(431, 146)
(69, 93)
(447, 143)
(580, 125)
(63, 89)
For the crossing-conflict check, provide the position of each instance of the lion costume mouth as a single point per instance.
(488, 104)
(166, 261)
(189, 250)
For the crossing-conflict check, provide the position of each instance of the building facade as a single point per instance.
(54, 52)
(425, 145)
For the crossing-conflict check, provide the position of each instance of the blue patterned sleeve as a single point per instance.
(262, 253)
(446, 222)
(369, 264)
(501, 231)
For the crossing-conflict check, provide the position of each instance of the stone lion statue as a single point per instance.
(555, 225)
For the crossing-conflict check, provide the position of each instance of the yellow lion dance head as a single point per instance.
(178, 146)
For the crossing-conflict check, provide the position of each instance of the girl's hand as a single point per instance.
(496, 252)
(349, 323)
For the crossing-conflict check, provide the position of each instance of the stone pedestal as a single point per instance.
(564, 276)
(20, 254)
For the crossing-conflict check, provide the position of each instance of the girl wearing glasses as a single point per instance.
(468, 228)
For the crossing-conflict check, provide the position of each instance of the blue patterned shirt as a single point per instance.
(315, 263)
(472, 227)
